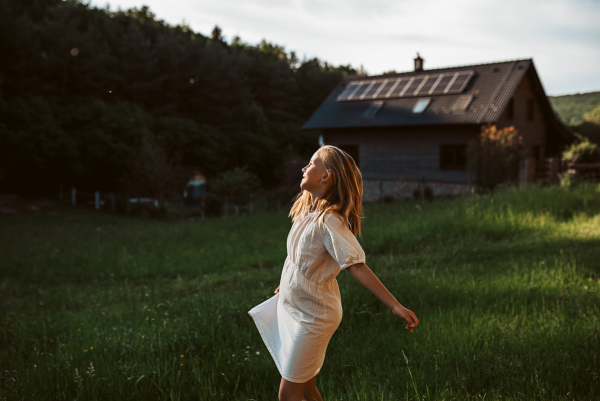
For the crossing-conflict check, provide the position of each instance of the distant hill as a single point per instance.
(571, 108)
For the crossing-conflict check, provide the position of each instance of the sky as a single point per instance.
(562, 36)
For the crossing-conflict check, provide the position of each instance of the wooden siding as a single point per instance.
(404, 153)
(533, 132)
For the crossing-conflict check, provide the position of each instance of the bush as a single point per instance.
(582, 151)
(495, 156)
(237, 185)
(568, 180)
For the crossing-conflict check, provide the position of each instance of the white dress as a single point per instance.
(297, 323)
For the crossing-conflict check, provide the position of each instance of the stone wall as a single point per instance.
(377, 189)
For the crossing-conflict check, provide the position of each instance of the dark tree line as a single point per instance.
(81, 88)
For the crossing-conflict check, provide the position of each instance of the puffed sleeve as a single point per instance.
(339, 241)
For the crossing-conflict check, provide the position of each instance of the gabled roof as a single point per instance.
(491, 86)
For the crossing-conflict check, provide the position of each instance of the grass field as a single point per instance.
(507, 288)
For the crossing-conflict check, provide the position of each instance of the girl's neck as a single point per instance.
(312, 207)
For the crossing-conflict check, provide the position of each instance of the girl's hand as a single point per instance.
(277, 290)
(408, 316)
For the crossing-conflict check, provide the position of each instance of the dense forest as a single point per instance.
(572, 109)
(82, 89)
(581, 112)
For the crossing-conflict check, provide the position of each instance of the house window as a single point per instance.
(510, 109)
(453, 157)
(462, 103)
(373, 109)
(352, 150)
(421, 106)
(530, 109)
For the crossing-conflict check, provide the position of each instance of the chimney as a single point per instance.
(418, 63)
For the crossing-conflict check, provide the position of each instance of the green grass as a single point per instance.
(507, 288)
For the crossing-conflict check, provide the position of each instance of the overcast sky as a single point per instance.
(562, 36)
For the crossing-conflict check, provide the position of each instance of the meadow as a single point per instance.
(507, 288)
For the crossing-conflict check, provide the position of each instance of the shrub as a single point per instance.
(496, 156)
(568, 180)
(236, 184)
(582, 151)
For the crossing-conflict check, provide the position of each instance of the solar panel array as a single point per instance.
(421, 85)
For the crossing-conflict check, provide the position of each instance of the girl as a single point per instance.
(298, 322)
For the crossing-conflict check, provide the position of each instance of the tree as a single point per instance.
(81, 86)
(153, 173)
(590, 127)
(362, 71)
(495, 156)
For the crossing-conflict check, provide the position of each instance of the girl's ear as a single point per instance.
(327, 177)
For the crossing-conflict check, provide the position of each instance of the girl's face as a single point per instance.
(314, 174)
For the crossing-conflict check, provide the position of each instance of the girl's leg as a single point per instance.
(311, 393)
(290, 391)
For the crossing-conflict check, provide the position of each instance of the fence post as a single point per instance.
(526, 172)
(422, 185)
(73, 196)
(380, 190)
(97, 200)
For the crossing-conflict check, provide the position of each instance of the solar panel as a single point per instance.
(420, 85)
(370, 90)
(381, 88)
(385, 87)
(346, 92)
(357, 91)
(398, 89)
(427, 84)
(413, 88)
(442, 84)
(460, 82)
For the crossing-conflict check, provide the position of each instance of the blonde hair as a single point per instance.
(345, 194)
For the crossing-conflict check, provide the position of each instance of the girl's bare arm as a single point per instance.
(361, 273)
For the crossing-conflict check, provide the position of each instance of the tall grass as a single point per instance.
(507, 288)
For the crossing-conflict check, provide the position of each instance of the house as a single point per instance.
(406, 128)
